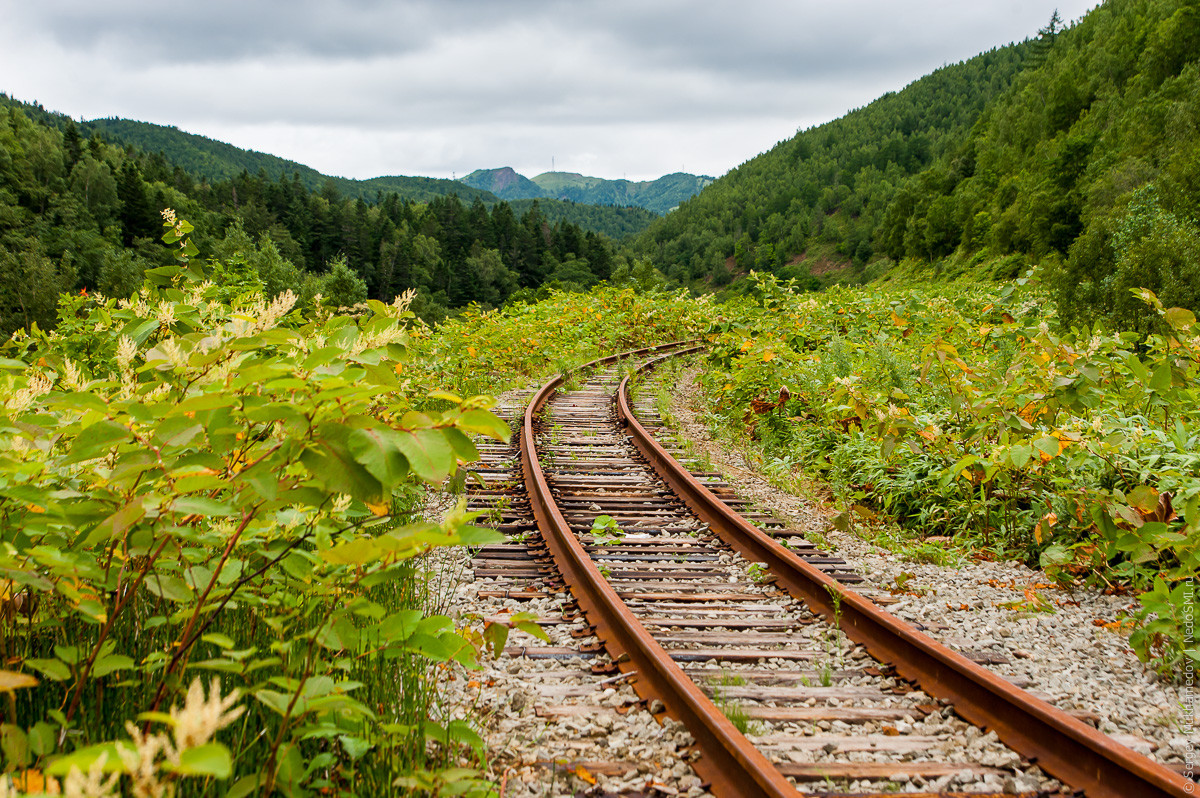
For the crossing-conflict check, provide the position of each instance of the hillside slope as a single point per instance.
(215, 160)
(1075, 150)
(660, 195)
(829, 185)
(505, 183)
(1089, 166)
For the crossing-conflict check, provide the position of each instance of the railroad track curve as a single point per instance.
(719, 624)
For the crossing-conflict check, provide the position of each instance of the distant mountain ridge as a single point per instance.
(216, 160)
(660, 195)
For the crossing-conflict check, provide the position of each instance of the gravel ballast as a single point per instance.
(1075, 655)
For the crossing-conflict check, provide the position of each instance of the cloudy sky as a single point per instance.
(618, 88)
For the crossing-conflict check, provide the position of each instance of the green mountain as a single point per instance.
(215, 160)
(505, 183)
(1088, 165)
(1075, 150)
(822, 195)
(83, 214)
(659, 196)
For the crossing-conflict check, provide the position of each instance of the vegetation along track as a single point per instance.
(743, 634)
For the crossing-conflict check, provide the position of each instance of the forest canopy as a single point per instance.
(83, 214)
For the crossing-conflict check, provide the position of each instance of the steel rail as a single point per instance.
(729, 762)
(1062, 746)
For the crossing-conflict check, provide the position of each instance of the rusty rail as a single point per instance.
(1062, 746)
(729, 762)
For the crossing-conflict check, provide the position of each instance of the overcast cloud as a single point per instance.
(620, 88)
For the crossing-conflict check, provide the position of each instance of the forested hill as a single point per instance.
(1075, 150)
(206, 158)
(1088, 165)
(79, 213)
(660, 195)
(829, 186)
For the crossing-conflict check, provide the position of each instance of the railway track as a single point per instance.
(787, 678)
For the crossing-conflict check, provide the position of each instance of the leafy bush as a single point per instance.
(957, 410)
(194, 484)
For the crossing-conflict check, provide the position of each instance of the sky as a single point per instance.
(615, 88)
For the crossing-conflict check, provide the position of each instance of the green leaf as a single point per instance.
(263, 476)
(483, 422)
(52, 669)
(532, 628)
(331, 462)
(1048, 446)
(142, 331)
(15, 745)
(356, 747)
(212, 759)
(429, 453)
(1144, 498)
(463, 447)
(1019, 454)
(273, 699)
(115, 525)
(84, 758)
(1161, 381)
(400, 626)
(495, 635)
(80, 402)
(200, 505)
(177, 431)
(445, 396)
(246, 785)
(378, 451)
(1132, 516)
(97, 440)
(478, 536)
(355, 552)
(41, 738)
(955, 471)
(460, 731)
(219, 640)
(157, 717)
(1179, 317)
(169, 587)
(113, 662)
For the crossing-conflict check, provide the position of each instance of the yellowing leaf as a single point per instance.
(582, 772)
(12, 680)
(1179, 317)
(32, 782)
(1144, 498)
(1044, 526)
(768, 356)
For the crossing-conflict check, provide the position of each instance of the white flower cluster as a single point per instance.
(141, 307)
(20, 400)
(262, 315)
(391, 335)
(194, 724)
(71, 377)
(402, 301)
(126, 351)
